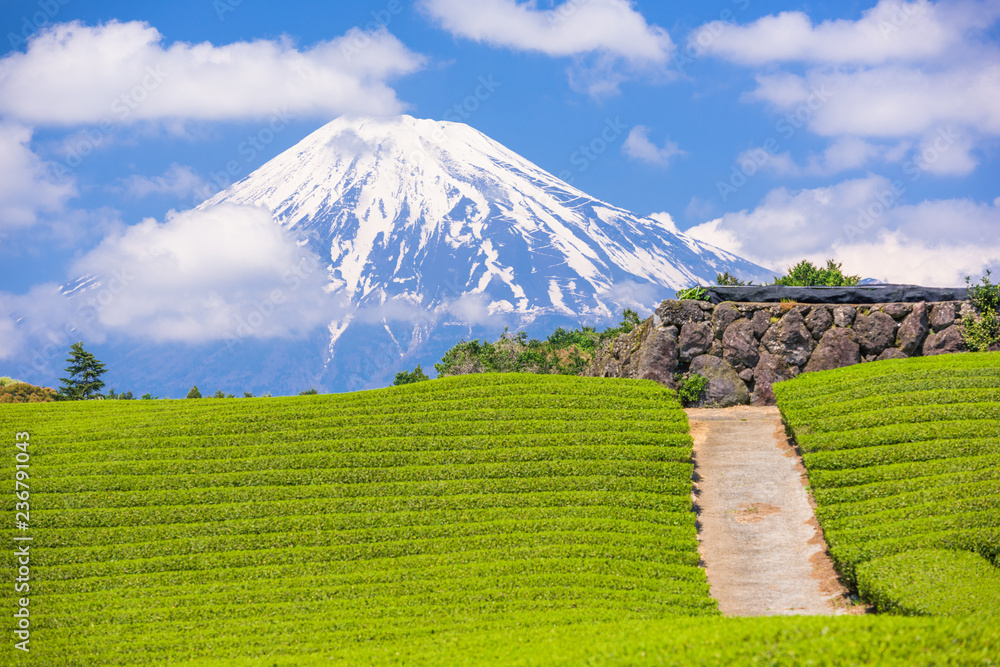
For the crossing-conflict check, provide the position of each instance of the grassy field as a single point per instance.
(516, 519)
(217, 527)
(904, 462)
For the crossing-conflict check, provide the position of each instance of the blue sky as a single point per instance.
(861, 131)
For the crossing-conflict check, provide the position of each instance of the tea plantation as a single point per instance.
(904, 460)
(515, 519)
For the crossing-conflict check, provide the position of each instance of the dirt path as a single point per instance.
(763, 551)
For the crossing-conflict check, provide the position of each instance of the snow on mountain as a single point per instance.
(435, 217)
(431, 232)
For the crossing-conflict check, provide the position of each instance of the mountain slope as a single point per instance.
(430, 212)
(426, 233)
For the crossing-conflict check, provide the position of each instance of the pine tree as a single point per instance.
(194, 393)
(85, 371)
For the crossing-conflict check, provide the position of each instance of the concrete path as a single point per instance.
(763, 550)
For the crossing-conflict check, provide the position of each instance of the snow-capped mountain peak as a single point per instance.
(391, 202)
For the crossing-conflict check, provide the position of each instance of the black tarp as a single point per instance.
(853, 294)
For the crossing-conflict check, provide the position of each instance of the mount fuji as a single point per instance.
(432, 232)
(432, 227)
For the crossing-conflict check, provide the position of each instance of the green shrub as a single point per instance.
(409, 377)
(22, 392)
(691, 387)
(805, 274)
(928, 582)
(696, 293)
(982, 330)
(565, 352)
(728, 280)
(902, 457)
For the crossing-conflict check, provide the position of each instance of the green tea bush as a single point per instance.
(903, 459)
(927, 582)
(501, 500)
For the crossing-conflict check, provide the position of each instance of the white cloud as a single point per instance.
(843, 154)
(228, 272)
(638, 146)
(891, 30)
(124, 72)
(610, 31)
(889, 101)
(904, 71)
(37, 327)
(178, 180)
(862, 223)
(28, 185)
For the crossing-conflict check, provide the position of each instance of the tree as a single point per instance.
(22, 392)
(805, 274)
(416, 375)
(728, 280)
(85, 371)
(194, 393)
(123, 396)
(309, 392)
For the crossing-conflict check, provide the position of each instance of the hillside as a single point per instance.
(904, 462)
(516, 519)
(312, 521)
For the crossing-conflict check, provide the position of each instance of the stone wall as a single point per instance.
(743, 348)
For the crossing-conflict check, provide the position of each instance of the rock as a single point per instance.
(897, 311)
(746, 374)
(946, 341)
(913, 330)
(837, 348)
(943, 315)
(761, 323)
(725, 314)
(789, 338)
(647, 352)
(679, 313)
(770, 369)
(875, 332)
(843, 316)
(725, 388)
(819, 320)
(695, 339)
(739, 345)
(892, 353)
